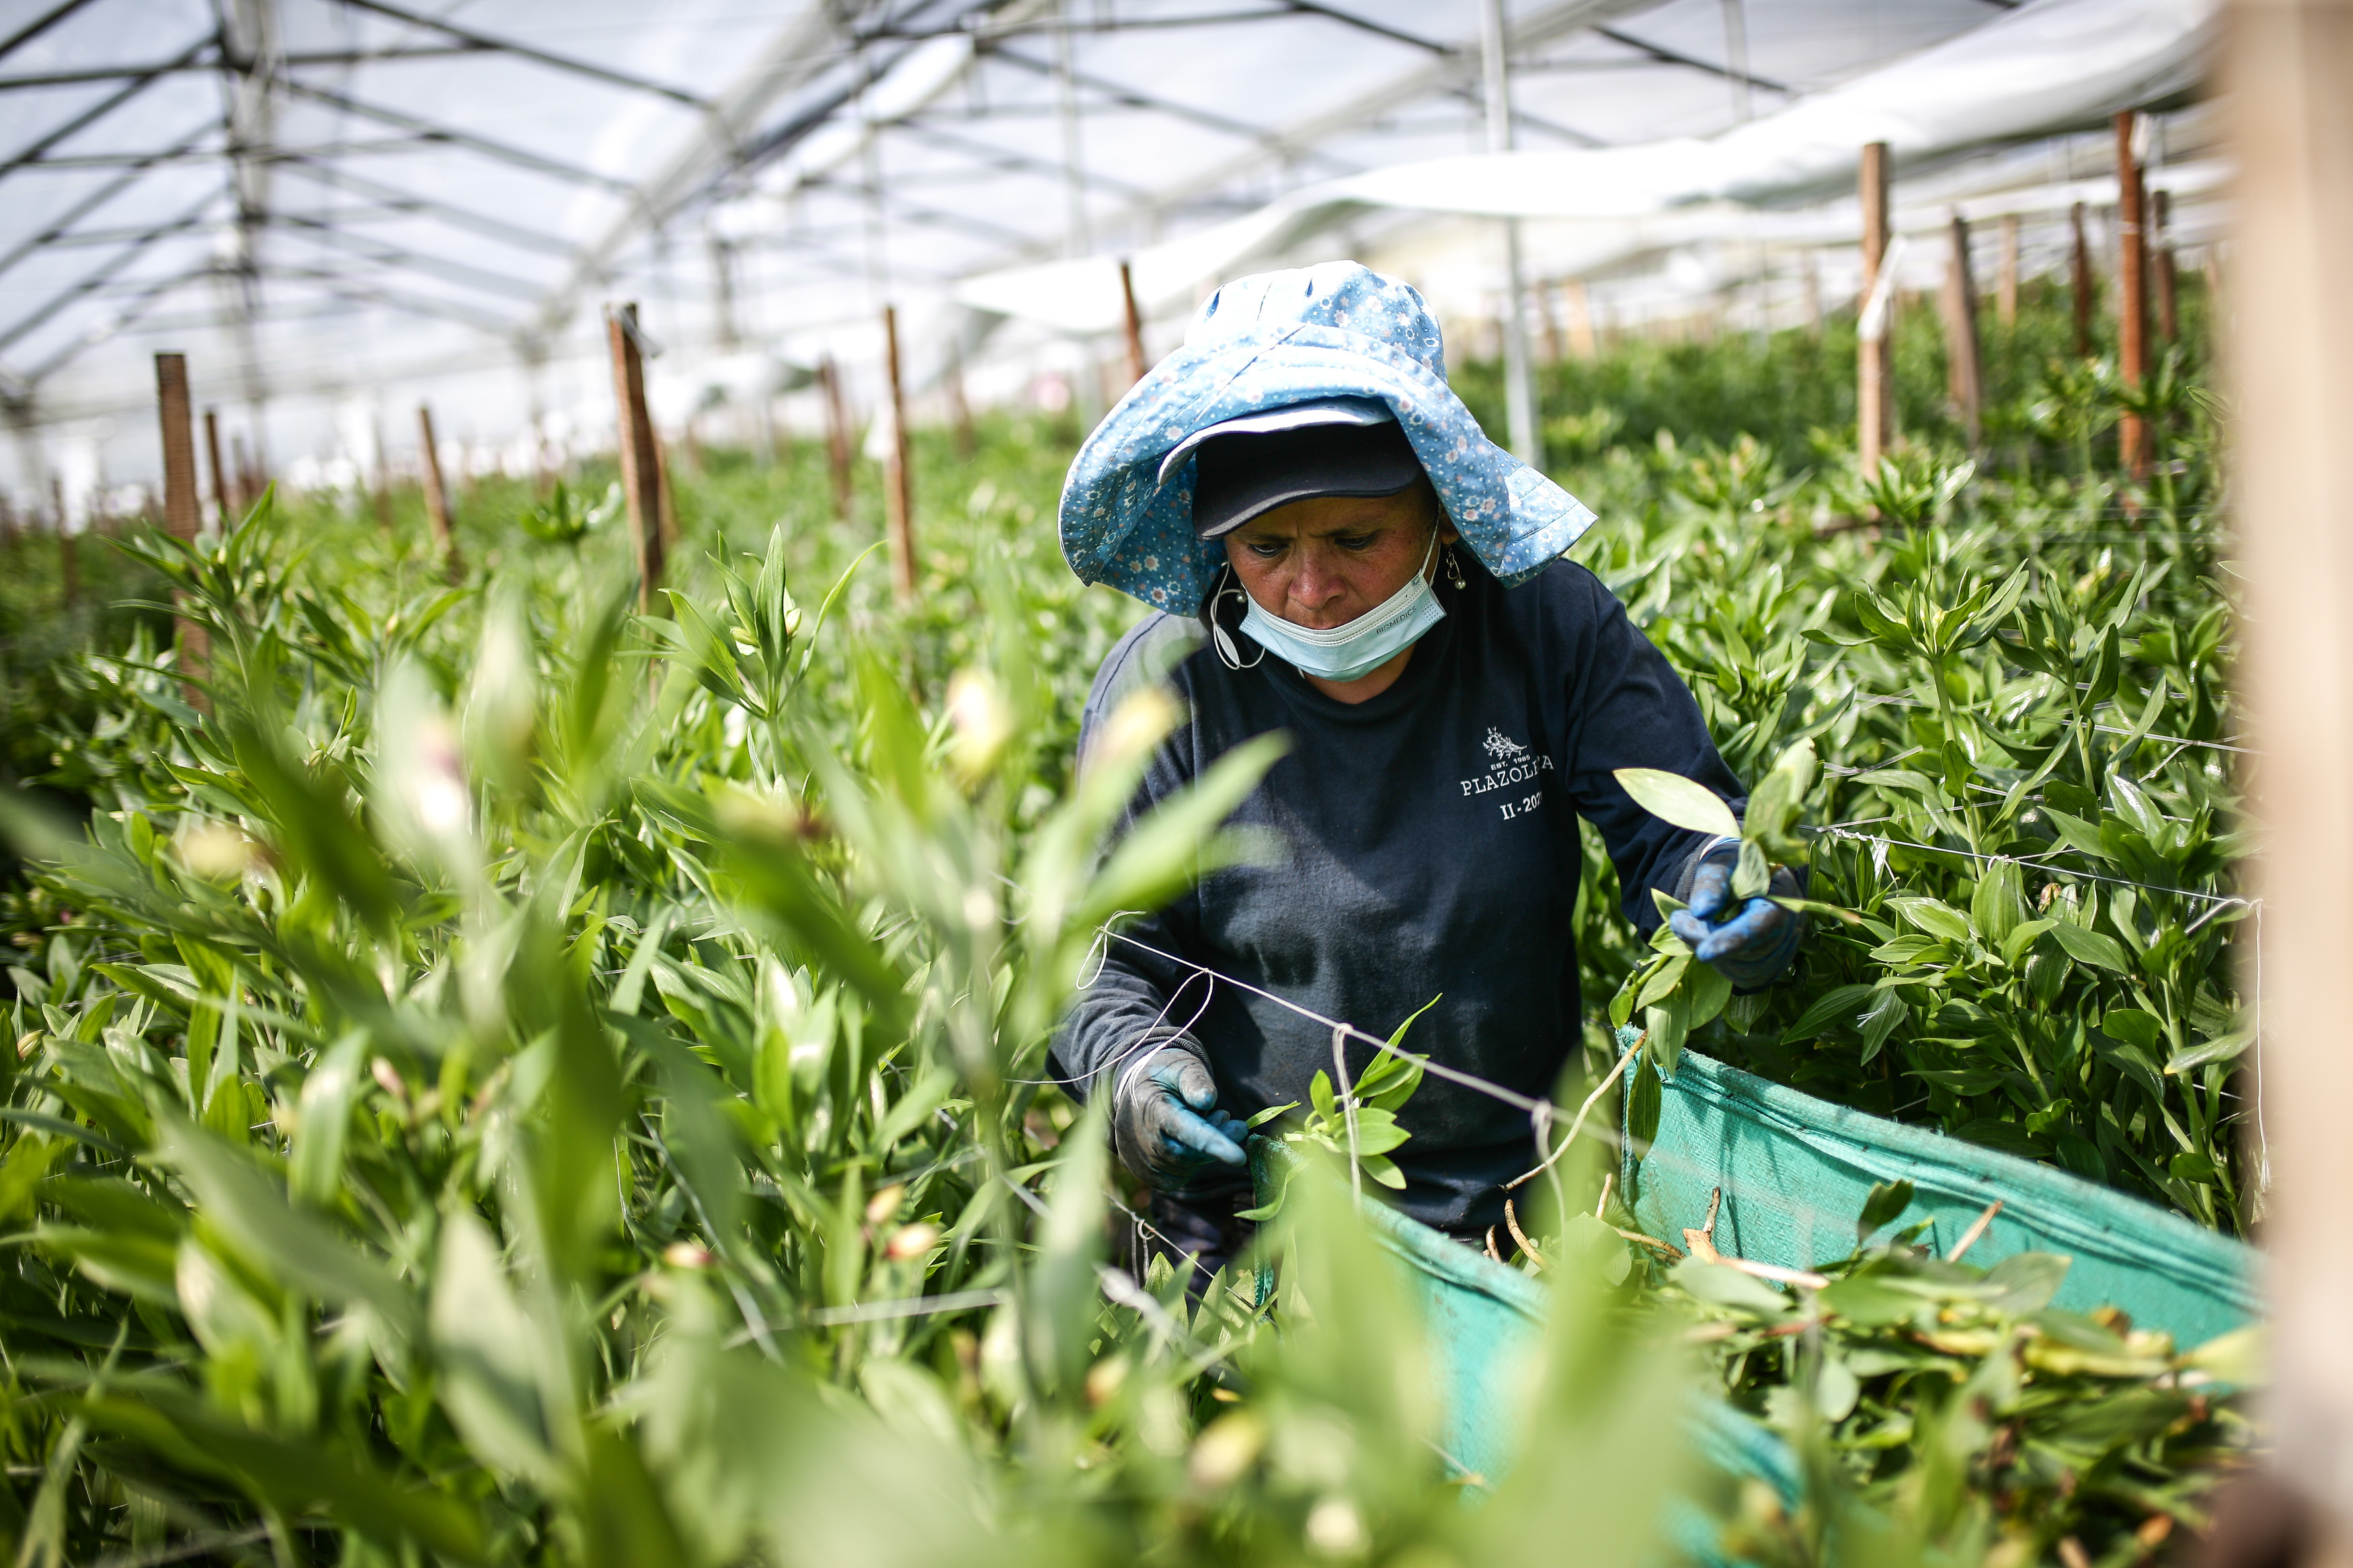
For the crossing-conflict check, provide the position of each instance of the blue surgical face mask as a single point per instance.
(1357, 649)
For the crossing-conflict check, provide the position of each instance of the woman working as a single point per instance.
(1339, 553)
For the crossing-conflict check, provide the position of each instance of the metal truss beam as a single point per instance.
(100, 109)
(320, 59)
(1667, 56)
(1006, 160)
(1378, 30)
(525, 51)
(1271, 139)
(380, 147)
(37, 26)
(138, 305)
(426, 130)
(1436, 75)
(99, 276)
(362, 291)
(56, 227)
(393, 198)
(463, 274)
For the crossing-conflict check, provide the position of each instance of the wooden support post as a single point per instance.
(1136, 364)
(1556, 346)
(380, 481)
(641, 476)
(437, 498)
(1963, 369)
(69, 558)
(2079, 277)
(669, 502)
(1874, 394)
(2132, 298)
(222, 514)
(182, 513)
(2162, 276)
(837, 436)
(1577, 301)
(901, 492)
(2006, 296)
(960, 410)
(241, 493)
(2289, 353)
(256, 476)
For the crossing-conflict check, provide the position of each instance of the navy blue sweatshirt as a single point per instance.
(1431, 849)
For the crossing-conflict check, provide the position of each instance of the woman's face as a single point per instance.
(1323, 562)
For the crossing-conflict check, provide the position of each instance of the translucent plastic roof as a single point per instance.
(332, 204)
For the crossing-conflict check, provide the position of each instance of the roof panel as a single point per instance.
(431, 197)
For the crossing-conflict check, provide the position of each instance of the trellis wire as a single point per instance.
(2218, 899)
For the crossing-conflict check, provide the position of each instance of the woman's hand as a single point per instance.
(1165, 1123)
(1749, 945)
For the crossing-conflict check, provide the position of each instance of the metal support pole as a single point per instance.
(2132, 297)
(640, 452)
(437, 498)
(1519, 377)
(901, 481)
(1087, 390)
(182, 513)
(1874, 397)
(2290, 357)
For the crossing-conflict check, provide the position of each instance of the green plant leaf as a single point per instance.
(1882, 1206)
(1678, 800)
(2091, 947)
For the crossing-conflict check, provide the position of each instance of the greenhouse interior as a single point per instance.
(1225, 781)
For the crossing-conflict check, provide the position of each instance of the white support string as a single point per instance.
(1542, 1139)
(1451, 1074)
(1347, 1111)
(2220, 899)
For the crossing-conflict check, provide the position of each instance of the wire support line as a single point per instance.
(2220, 899)
(1540, 1112)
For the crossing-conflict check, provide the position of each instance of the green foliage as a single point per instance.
(501, 1079)
(1942, 1412)
(2018, 706)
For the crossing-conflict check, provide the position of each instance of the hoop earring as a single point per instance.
(1228, 654)
(1454, 569)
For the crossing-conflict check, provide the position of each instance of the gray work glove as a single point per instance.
(1166, 1124)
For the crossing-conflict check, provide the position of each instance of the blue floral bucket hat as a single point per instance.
(1337, 331)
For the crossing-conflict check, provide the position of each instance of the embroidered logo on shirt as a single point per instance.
(1513, 764)
(1500, 747)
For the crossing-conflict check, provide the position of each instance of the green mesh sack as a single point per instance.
(1795, 1171)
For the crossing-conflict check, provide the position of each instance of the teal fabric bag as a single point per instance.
(1795, 1171)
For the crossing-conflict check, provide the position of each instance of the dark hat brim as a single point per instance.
(1244, 475)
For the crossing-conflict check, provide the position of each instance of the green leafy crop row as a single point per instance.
(512, 1081)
